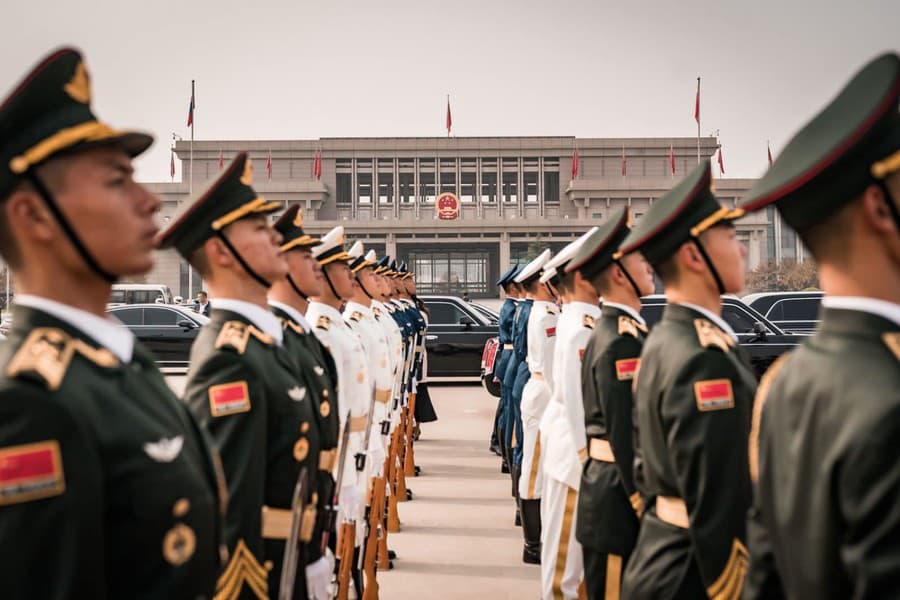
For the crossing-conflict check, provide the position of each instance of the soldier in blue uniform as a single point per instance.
(507, 312)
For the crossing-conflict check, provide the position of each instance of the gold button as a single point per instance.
(179, 544)
(181, 507)
(324, 393)
(268, 565)
(360, 377)
(324, 409)
(301, 449)
(304, 428)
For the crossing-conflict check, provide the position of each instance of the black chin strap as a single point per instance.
(243, 262)
(709, 264)
(330, 285)
(628, 276)
(296, 288)
(363, 288)
(86, 256)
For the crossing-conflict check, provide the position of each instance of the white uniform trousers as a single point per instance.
(562, 566)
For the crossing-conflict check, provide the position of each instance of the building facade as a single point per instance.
(515, 194)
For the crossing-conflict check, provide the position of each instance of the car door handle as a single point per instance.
(430, 338)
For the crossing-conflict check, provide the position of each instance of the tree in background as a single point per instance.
(786, 276)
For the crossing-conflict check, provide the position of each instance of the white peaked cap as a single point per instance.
(534, 267)
(566, 254)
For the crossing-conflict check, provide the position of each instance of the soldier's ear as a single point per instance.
(28, 216)
(876, 213)
(217, 253)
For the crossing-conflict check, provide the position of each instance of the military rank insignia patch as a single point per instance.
(229, 398)
(714, 394)
(588, 321)
(627, 368)
(30, 472)
(551, 331)
(581, 354)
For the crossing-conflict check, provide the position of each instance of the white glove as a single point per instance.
(349, 502)
(318, 578)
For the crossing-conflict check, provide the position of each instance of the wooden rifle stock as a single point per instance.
(409, 462)
(393, 522)
(376, 508)
(346, 542)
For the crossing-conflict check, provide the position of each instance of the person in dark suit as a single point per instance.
(202, 304)
(108, 488)
(823, 447)
(692, 399)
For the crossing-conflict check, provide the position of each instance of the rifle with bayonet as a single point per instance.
(292, 544)
(331, 517)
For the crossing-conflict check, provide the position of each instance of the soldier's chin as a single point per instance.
(140, 265)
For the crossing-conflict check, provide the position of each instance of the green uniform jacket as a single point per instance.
(243, 389)
(107, 487)
(693, 401)
(826, 522)
(608, 502)
(320, 374)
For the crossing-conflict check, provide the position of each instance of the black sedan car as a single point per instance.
(763, 340)
(167, 330)
(457, 332)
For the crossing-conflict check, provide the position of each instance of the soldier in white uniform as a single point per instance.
(359, 316)
(354, 381)
(562, 426)
(535, 396)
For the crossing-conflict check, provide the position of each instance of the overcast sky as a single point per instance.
(297, 69)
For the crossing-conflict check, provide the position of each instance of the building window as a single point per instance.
(468, 162)
(188, 292)
(452, 272)
(510, 188)
(770, 233)
(386, 164)
(448, 183)
(489, 188)
(448, 164)
(530, 182)
(407, 163)
(788, 242)
(344, 185)
(426, 187)
(467, 188)
(385, 188)
(407, 188)
(364, 188)
(551, 187)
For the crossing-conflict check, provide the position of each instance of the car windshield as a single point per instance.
(490, 315)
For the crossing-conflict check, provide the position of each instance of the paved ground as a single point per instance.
(458, 539)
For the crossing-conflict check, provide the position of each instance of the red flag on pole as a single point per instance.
(269, 165)
(697, 103)
(672, 158)
(172, 163)
(721, 162)
(317, 165)
(190, 119)
(624, 164)
(575, 164)
(221, 160)
(769, 151)
(449, 117)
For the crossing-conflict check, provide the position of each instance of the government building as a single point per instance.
(513, 196)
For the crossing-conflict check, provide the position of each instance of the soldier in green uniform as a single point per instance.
(824, 445)
(289, 299)
(692, 400)
(108, 488)
(244, 388)
(609, 506)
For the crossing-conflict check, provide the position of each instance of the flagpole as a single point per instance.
(698, 121)
(191, 182)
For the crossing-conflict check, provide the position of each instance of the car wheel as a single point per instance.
(492, 387)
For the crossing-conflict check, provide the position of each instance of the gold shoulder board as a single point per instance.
(234, 334)
(262, 336)
(627, 326)
(588, 321)
(893, 343)
(323, 322)
(711, 336)
(47, 353)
